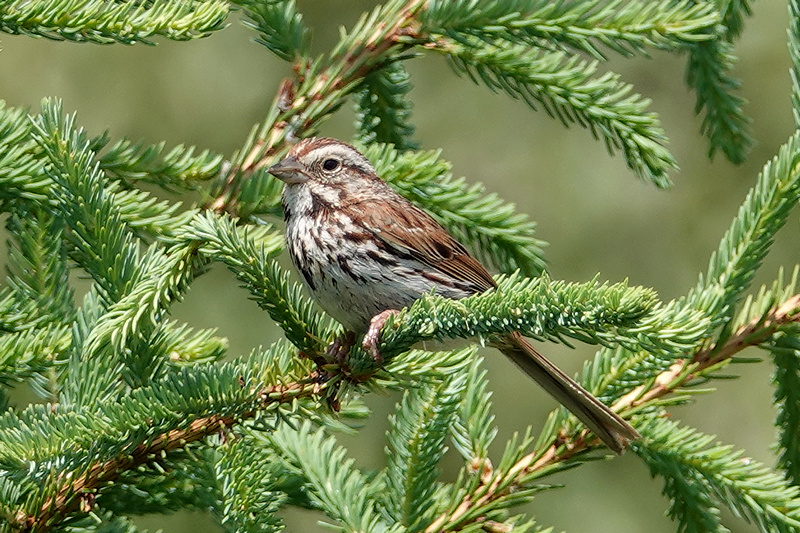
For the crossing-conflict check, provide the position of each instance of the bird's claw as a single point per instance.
(339, 349)
(373, 336)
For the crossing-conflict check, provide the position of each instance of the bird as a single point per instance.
(364, 251)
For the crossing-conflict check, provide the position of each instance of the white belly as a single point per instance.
(348, 282)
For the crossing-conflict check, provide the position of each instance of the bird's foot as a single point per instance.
(373, 336)
(339, 349)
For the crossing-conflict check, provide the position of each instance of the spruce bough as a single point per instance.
(144, 416)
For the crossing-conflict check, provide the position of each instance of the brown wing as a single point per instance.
(403, 225)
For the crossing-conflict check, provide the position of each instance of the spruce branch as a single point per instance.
(569, 89)
(691, 503)
(72, 454)
(374, 41)
(474, 430)
(37, 269)
(410, 368)
(698, 476)
(334, 485)
(646, 379)
(717, 471)
(761, 329)
(103, 22)
(183, 479)
(179, 168)
(250, 256)
(103, 244)
(319, 88)
(23, 176)
(244, 476)
(148, 217)
(734, 13)
(785, 348)
(383, 110)
(624, 27)
(632, 377)
(540, 308)
(731, 269)
(616, 370)
(126, 340)
(743, 247)
(21, 172)
(390, 33)
(724, 121)
(752, 334)
(794, 55)
(183, 345)
(30, 352)
(135, 288)
(416, 437)
(40, 298)
(11, 318)
(768, 297)
(485, 492)
(280, 25)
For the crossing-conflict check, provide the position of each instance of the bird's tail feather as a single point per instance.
(605, 423)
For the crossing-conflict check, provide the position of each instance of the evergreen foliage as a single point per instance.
(567, 88)
(105, 22)
(179, 169)
(145, 416)
(383, 112)
(785, 353)
(281, 26)
(698, 473)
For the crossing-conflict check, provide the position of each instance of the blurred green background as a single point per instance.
(596, 216)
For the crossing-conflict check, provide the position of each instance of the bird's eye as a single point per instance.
(330, 164)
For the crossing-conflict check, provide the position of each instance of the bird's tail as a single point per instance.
(603, 422)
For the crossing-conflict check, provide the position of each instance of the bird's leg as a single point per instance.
(373, 336)
(339, 349)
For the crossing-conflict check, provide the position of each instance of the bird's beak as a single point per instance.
(289, 170)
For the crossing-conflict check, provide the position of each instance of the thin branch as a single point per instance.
(302, 102)
(753, 333)
(494, 485)
(77, 493)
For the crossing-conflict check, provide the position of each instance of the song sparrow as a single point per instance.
(364, 250)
